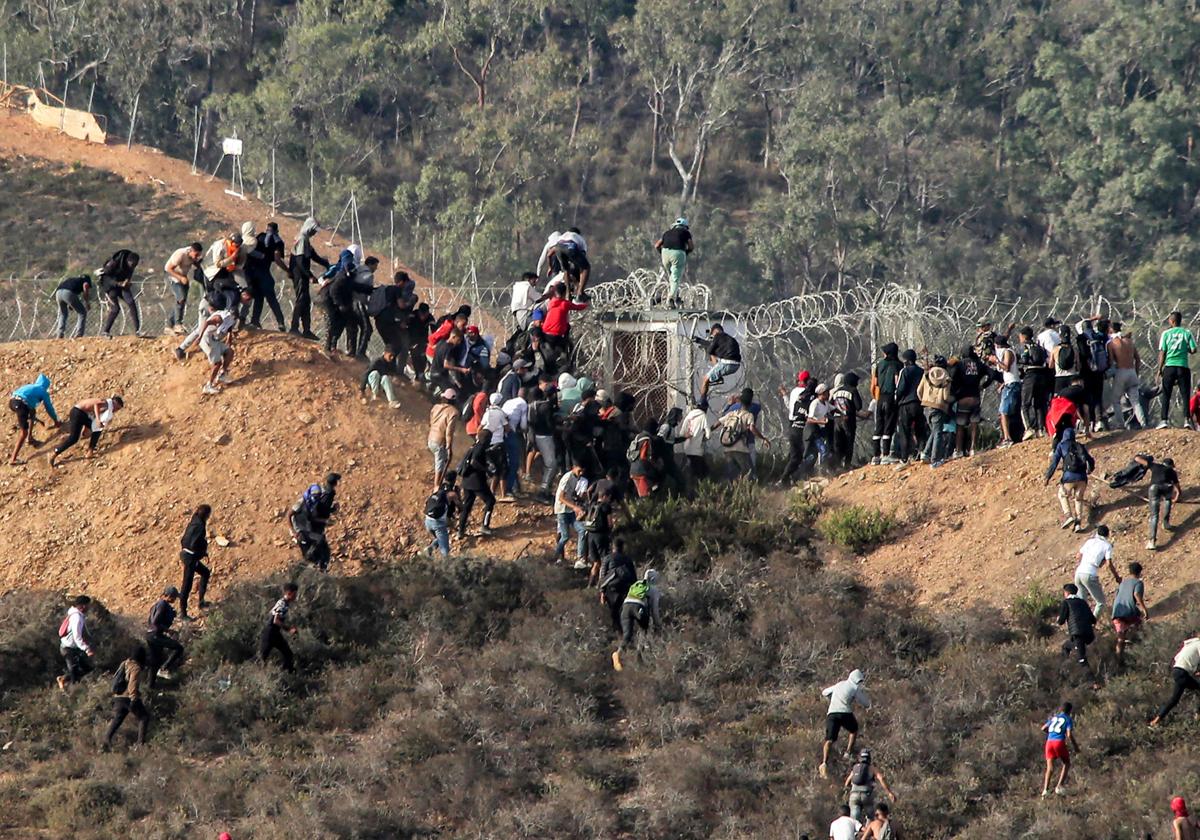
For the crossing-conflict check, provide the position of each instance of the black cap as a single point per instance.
(333, 478)
(170, 592)
(909, 355)
(1051, 322)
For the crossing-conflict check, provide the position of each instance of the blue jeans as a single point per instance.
(934, 451)
(512, 445)
(441, 534)
(567, 521)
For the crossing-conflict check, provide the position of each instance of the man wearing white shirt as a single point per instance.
(695, 430)
(816, 429)
(74, 643)
(1093, 555)
(1049, 337)
(517, 412)
(524, 295)
(546, 266)
(845, 827)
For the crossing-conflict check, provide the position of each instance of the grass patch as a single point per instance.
(1033, 609)
(856, 527)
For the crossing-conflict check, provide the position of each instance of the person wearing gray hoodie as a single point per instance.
(300, 269)
(842, 698)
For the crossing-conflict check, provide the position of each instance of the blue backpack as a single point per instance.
(311, 498)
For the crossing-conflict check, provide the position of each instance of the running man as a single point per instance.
(474, 472)
(162, 616)
(1080, 622)
(192, 554)
(842, 698)
(1059, 729)
(860, 784)
(116, 284)
(1174, 347)
(1163, 492)
(568, 513)
(24, 403)
(1184, 667)
(641, 608)
(272, 633)
(1077, 463)
(726, 356)
(617, 574)
(75, 643)
(127, 698)
(1094, 555)
(94, 415)
(1129, 607)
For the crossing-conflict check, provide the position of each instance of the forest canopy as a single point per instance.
(991, 147)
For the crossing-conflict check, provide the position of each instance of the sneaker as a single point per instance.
(1151, 546)
(1030, 434)
(888, 460)
(875, 461)
(1059, 791)
(1045, 793)
(394, 405)
(209, 389)
(823, 771)
(616, 660)
(62, 683)
(972, 454)
(1004, 444)
(485, 531)
(1068, 522)
(163, 674)
(1163, 425)
(179, 354)
(1167, 526)
(142, 334)
(581, 565)
(224, 379)
(935, 464)
(310, 335)
(294, 332)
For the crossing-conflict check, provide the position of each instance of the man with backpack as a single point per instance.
(598, 526)
(1093, 338)
(300, 270)
(934, 394)
(72, 294)
(639, 610)
(1077, 463)
(1037, 382)
(440, 508)
(617, 575)
(476, 470)
(116, 284)
(1174, 347)
(860, 785)
(272, 637)
(738, 429)
(310, 517)
(843, 697)
(193, 551)
(1125, 361)
(74, 643)
(24, 402)
(644, 470)
(911, 429)
(162, 616)
(127, 697)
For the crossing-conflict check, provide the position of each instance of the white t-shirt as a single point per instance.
(1049, 339)
(793, 398)
(844, 828)
(1012, 374)
(517, 411)
(580, 487)
(1188, 657)
(818, 410)
(522, 297)
(695, 431)
(1093, 553)
(494, 420)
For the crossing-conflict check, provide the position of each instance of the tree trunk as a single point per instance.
(654, 146)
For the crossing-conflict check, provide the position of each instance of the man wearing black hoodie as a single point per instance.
(1080, 621)
(967, 381)
(192, 555)
(300, 268)
(617, 574)
(913, 431)
(116, 284)
(162, 616)
(883, 390)
(847, 411)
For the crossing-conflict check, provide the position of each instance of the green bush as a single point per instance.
(1032, 609)
(856, 527)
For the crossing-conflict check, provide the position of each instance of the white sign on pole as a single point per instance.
(231, 146)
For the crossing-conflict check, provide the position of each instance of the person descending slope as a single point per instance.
(640, 609)
(310, 517)
(75, 643)
(271, 637)
(378, 377)
(24, 403)
(1163, 492)
(440, 508)
(843, 697)
(162, 616)
(1059, 729)
(94, 415)
(617, 574)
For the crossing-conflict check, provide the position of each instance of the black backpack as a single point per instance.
(1034, 355)
(1075, 460)
(120, 683)
(436, 505)
(381, 298)
(1066, 356)
(861, 775)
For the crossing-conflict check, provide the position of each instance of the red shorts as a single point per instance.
(1057, 749)
(643, 486)
(1124, 625)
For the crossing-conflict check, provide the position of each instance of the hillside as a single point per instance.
(985, 528)
(110, 527)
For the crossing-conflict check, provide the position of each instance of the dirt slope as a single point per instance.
(985, 528)
(111, 526)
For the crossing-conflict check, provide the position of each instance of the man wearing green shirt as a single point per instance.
(1174, 348)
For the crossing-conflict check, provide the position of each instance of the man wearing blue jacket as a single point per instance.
(24, 403)
(1076, 463)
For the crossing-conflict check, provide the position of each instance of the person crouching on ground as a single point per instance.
(641, 607)
(379, 377)
(93, 415)
(24, 403)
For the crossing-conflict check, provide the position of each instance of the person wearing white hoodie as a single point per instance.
(74, 644)
(842, 698)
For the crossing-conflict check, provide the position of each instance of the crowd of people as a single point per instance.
(543, 432)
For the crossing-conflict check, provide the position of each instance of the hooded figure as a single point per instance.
(844, 695)
(847, 404)
(570, 391)
(116, 281)
(300, 270)
(883, 390)
(1179, 807)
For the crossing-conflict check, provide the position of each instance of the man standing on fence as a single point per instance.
(179, 270)
(300, 270)
(673, 248)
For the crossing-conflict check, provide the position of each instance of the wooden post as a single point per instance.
(196, 141)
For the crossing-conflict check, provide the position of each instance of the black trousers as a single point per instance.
(123, 707)
(79, 664)
(263, 289)
(364, 328)
(596, 546)
(116, 295)
(843, 442)
(1078, 644)
(912, 429)
(795, 452)
(633, 616)
(272, 639)
(165, 653)
(1035, 399)
(885, 424)
(698, 467)
(1176, 377)
(614, 597)
(314, 548)
(77, 421)
(191, 569)
(469, 497)
(302, 310)
(337, 321)
(1183, 682)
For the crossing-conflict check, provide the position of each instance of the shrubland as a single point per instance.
(471, 698)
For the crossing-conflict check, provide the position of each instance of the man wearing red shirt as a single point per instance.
(557, 324)
(457, 321)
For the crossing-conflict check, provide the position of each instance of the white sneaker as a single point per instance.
(972, 455)
(1059, 791)
(1152, 546)
(209, 389)
(224, 379)
(394, 405)
(580, 565)
(163, 674)
(1068, 522)
(1030, 434)
(1163, 425)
